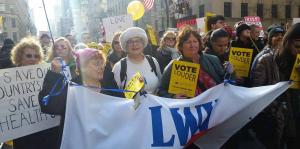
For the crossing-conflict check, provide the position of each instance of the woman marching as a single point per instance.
(90, 65)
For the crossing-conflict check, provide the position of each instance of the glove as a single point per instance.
(228, 67)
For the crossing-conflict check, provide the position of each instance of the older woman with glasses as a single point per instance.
(29, 52)
(62, 48)
(167, 51)
(133, 41)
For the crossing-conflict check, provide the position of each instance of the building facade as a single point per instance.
(270, 11)
(17, 20)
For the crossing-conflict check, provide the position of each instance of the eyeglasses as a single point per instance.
(135, 41)
(116, 42)
(60, 46)
(170, 38)
(36, 56)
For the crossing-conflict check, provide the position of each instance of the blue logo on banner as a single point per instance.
(183, 123)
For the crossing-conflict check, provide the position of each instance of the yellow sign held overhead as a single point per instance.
(295, 76)
(184, 76)
(151, 35)
(1, 24)
(241, 59)
(209, 14)
(135, 84)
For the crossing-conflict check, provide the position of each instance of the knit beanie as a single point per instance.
(131, 33)
(273, 29)
(241, 28)
(83, 55)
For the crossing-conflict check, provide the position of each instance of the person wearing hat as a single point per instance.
(90, 66)
(133, 40)
(243, 40)
(275, 35)
(278, 125)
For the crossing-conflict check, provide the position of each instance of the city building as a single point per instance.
(17, 20)
(270, 11)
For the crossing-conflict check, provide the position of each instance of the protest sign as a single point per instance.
(20, 113)
(151, 34)
(135, 84)
(241, 58)
(249, 20)
(184, 76)
(201, 25)
(296, 20)
(116, 24)
(295, 76)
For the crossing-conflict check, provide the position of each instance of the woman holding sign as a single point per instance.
(284, 113)
(210, 73)
(29, 52)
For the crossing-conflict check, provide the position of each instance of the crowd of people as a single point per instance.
(276, 127)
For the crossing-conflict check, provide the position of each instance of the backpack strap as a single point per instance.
(123, 71)
(152, 64)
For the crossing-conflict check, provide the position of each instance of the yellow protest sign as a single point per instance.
(209, 14)
(295, 75)
(1, 24)
(151, 35)
(135, 84)
(184, 76)
(241, 58)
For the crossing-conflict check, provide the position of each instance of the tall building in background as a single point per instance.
(17, 21)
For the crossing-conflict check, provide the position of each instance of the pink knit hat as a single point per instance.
(82, 55)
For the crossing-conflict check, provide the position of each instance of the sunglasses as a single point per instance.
(32, 56)
(170, 38)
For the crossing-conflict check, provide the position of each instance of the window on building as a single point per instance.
(2, 7)
(15, 36)
(13, 22)
(201, 11)
(244, 9)
(227, 9)
(274, 11)
(259, 12)
(287, 11)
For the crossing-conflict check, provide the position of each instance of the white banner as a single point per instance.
(20, 112)
(116, 24)
(95, 121)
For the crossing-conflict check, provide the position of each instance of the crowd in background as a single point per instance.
(99, 67)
